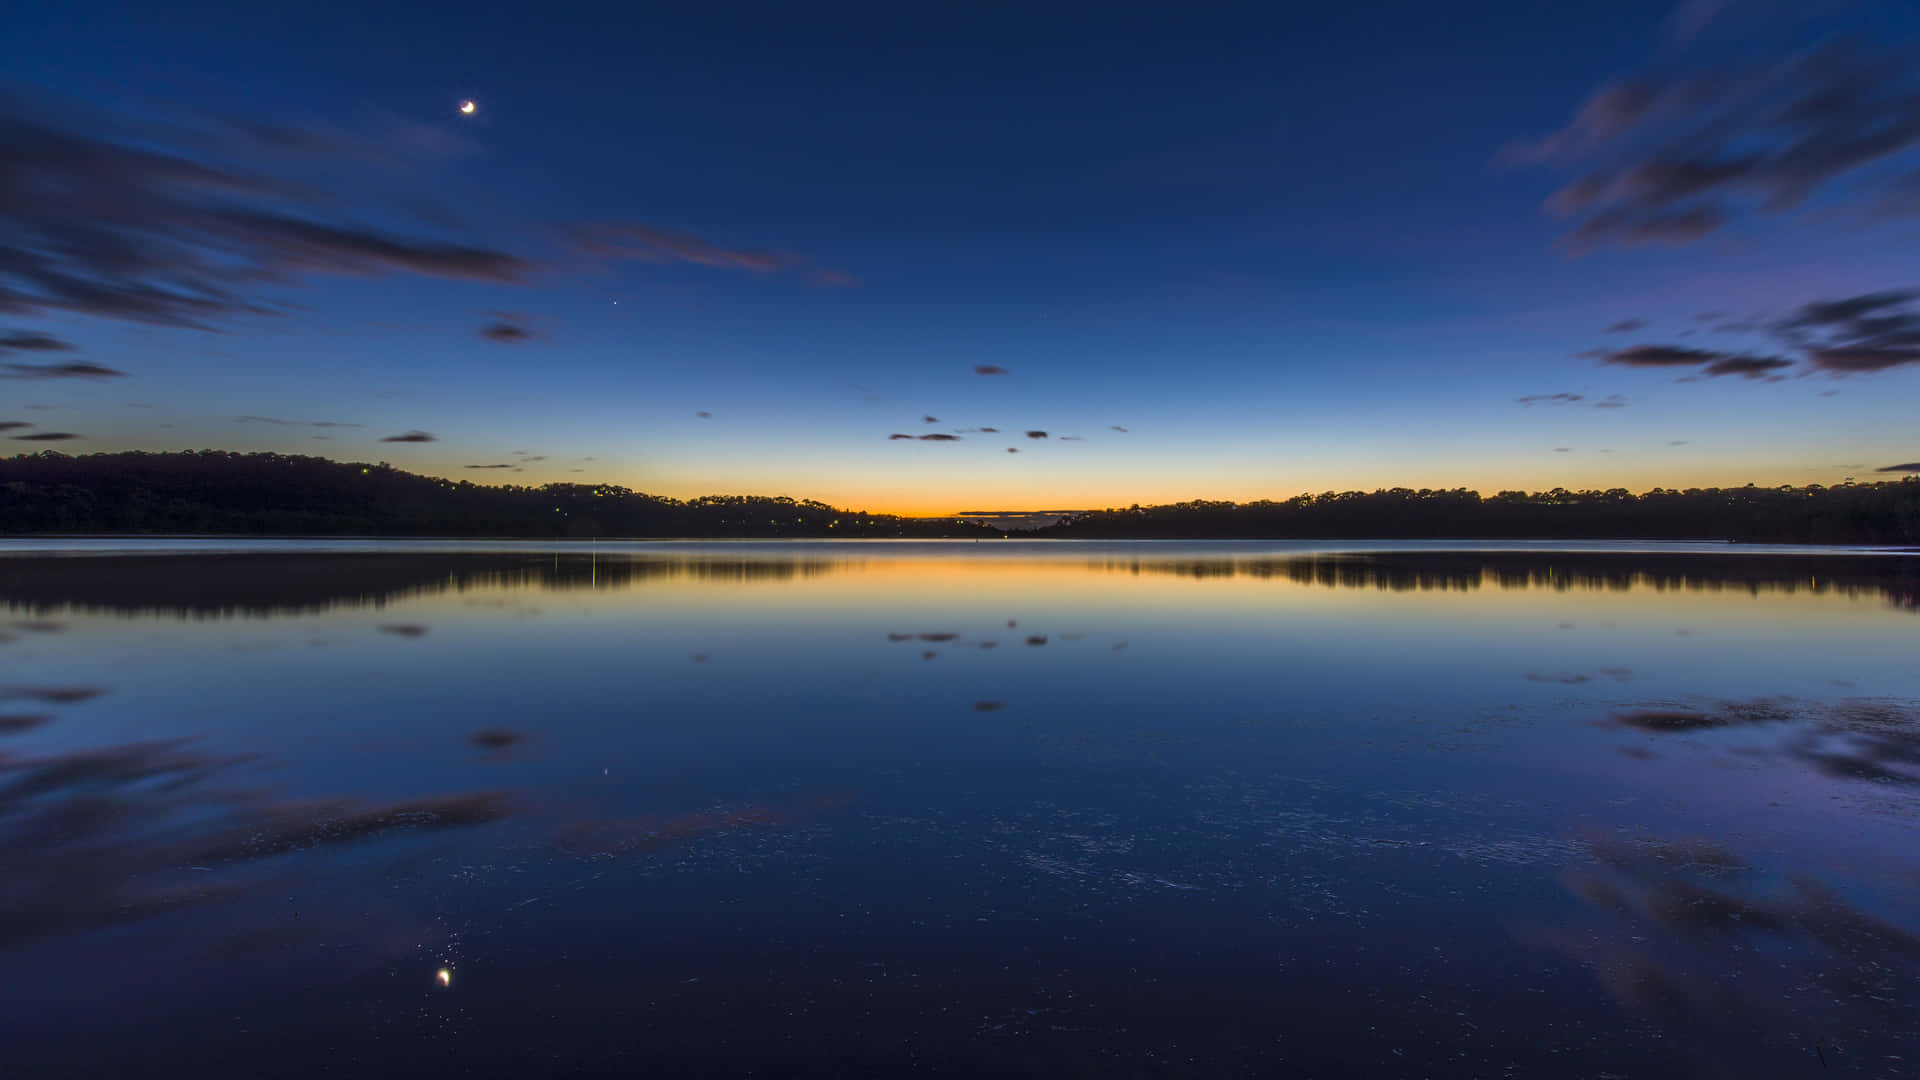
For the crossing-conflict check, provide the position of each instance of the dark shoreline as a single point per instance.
(218, 493)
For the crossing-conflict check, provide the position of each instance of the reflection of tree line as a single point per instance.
(1896, 578)
(275, 584)
(278, 584)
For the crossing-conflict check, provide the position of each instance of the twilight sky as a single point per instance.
(1211, 250)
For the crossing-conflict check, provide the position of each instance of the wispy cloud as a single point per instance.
(1550, 399)
(651, 243)
(1866, 333)
(181, 224)
(1625, 326)
(1711, 363)
(1905, 466)
(278, 422)
(989, 369)
(1750, 367)
(1660, 356)
(643, 242)
(31, 341)
(1672, 156)
(1036, 434)
(412, 436)
(59, 371)
(47, 436)
(1861, 334)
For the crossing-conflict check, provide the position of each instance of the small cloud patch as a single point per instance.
(60, 371)
(505, 333)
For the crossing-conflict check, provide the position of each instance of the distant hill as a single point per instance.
(1882, 513)
(213, 491)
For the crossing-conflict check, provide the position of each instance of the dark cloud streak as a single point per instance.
(31, 341)
(1670, 158)
(505, 333)
(59, 371)
(178, 226)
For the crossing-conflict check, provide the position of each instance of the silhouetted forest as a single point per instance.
(1882, 513)
(212, 491)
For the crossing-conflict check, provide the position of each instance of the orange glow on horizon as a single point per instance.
(948, 504)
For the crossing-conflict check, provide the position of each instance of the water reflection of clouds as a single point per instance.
(126, 833)
(1855, 739)
(1744, 971)
(117, 834)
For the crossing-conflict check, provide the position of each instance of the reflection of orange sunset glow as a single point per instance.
(945, 586)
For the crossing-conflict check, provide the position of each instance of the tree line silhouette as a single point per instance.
(1879, 513)
(213, 491)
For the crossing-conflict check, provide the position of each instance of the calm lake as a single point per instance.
(1005, 808)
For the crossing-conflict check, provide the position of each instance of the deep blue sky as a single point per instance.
(1287, 247)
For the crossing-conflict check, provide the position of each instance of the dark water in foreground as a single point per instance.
(1048, 810)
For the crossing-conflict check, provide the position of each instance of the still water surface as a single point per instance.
(1009, 808)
